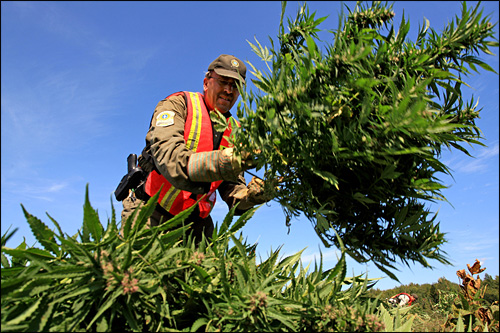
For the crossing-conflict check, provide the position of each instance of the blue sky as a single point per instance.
(80, 80)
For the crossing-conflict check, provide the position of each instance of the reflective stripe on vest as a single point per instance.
(198, 136)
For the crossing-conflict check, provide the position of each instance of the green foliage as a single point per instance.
(439, 306)
(353, 128)
(470, 305)
(158, 279)
(492, 290)
(396, 319)
(445, 302)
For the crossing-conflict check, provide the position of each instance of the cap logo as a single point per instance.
(235, 63)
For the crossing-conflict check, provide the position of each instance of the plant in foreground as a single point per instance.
(157, 279)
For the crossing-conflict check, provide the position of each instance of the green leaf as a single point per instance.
(75, 293)
(218, 120)
(26, 314)
(326, 175)
(66, 272)
(386, 271)
(386, 319)
(242, 220)
(30, 254)
(339, 272)
(91, 224)
(5, 261)
(102, 325)
(407, 326)
(205, 277)
(390, 173)
(131, 319)
(45, 323)
(362, 198)
(141, 216)
(6, 236)
(199, 323)
(42, 233)
(225, 223)
(460, 327)
(289, 261)
(107, 304)
(282, 317)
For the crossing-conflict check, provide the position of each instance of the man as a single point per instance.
(402, 299)
(188, 160)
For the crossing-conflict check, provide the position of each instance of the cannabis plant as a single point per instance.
(158, 279)
(349, 131)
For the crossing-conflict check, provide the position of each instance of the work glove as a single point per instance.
(217, 165)
(255, 194)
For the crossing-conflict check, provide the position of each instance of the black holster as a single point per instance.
(133, 180)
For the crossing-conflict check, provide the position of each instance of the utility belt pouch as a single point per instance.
(132, 180)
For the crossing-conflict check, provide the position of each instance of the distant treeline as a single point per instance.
(428, 294)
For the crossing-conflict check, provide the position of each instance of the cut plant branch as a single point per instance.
(355, 126)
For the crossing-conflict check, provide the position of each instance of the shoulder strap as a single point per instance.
(145, 160)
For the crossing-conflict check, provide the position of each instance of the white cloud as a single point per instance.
(44, 186)
(56, 187)
(479, 243)
(328, 256)
(490, 151)
(27, 182)
(480, 162)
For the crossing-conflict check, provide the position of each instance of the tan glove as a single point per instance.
(216, 165)
(247, 160)
(253, 195)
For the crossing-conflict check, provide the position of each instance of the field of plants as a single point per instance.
(439, 303)
(151, 280)
(373, 111)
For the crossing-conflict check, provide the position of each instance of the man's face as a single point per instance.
(220, 92)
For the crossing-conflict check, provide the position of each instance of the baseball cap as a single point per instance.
(230, 66)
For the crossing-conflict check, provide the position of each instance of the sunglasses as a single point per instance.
(223, 83)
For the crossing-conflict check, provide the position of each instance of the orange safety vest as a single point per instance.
(198, 136)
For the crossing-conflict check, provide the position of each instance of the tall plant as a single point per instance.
(353, 128)
(470, 311)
